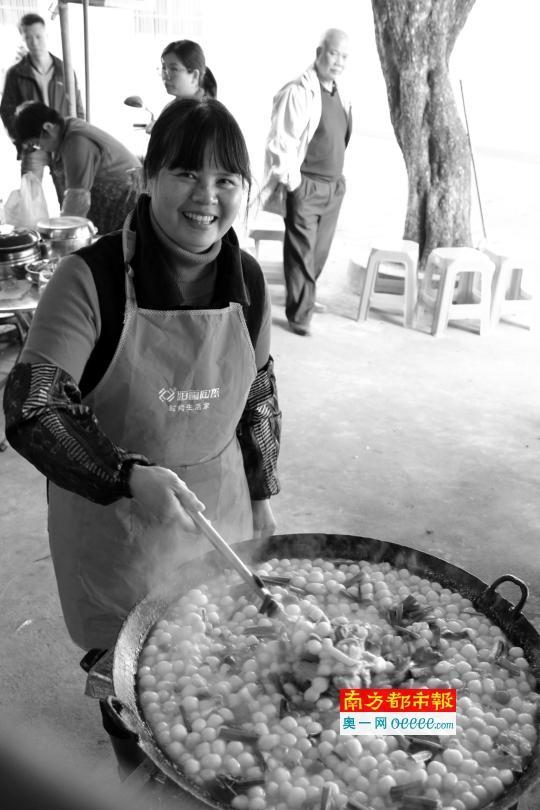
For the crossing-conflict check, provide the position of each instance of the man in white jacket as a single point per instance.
(305, 150)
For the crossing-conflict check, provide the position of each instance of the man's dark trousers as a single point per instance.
(310, 223)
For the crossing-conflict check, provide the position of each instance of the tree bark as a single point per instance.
(415, 39)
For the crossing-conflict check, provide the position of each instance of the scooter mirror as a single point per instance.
(134, 101)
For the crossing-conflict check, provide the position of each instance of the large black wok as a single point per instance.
(486, 599)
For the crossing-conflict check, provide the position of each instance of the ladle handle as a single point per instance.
(224, 548)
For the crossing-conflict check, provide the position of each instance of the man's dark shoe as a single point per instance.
(299, 329)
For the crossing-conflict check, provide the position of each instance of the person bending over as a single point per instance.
(100, 178)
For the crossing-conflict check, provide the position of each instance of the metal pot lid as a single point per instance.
(17, 257)
(17, 240)
(65, 228)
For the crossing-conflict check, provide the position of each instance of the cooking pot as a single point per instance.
(18, 248)
(63, 235)
(335, 548)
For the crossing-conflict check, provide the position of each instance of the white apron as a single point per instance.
(175, 391)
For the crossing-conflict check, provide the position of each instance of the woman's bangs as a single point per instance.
(215, 139)
(225, 155)
(190, 131)
(185, 149)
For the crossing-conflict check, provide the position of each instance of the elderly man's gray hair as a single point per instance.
(332, 34)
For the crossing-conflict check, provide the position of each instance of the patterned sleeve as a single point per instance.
(47, 423)
(259, 435)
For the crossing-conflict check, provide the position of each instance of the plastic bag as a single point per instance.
(25, 206)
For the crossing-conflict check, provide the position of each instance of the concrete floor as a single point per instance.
(387, 433)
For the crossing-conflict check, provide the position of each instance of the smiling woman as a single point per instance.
(196, 169)
(95, 173)
(146, 381)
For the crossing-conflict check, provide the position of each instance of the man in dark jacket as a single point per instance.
(38, 76)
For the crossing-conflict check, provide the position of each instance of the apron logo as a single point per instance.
(195, 400)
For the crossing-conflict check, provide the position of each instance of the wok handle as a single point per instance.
(224, 548)
(121, 715)
(516, 611)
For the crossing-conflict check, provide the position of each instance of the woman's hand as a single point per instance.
(164, 496)
(264, 522)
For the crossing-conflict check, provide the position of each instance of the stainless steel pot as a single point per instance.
(63, 235)
(18, 248)
(333, 547)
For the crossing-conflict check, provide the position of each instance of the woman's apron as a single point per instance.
(175, 392)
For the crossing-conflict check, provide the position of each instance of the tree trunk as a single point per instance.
(415, 39)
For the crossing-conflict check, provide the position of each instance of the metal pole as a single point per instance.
(472, 161)
(86, 59)
(69, 76)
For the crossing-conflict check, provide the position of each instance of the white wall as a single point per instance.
(254, 47)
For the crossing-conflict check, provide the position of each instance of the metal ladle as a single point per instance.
(270, 606)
